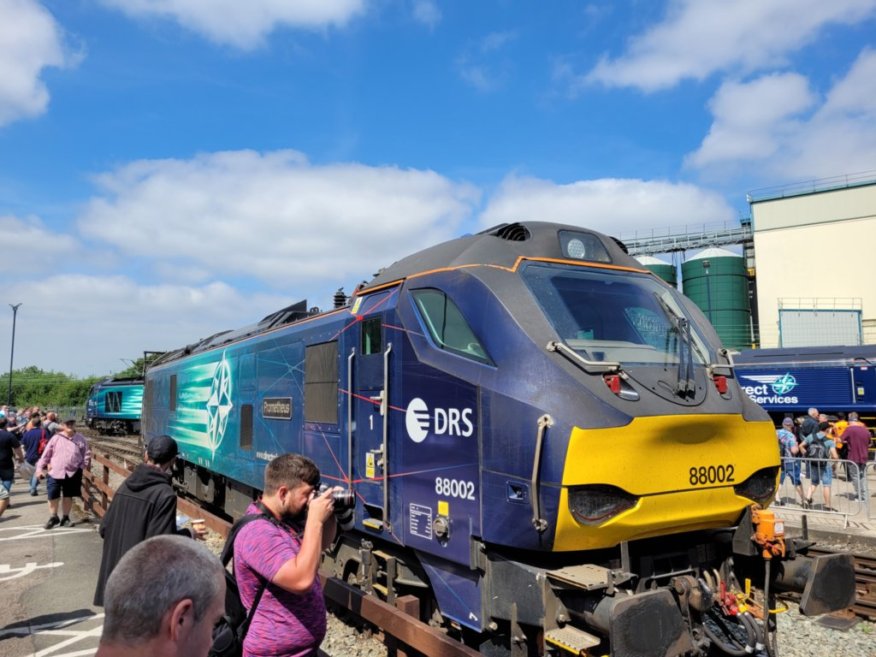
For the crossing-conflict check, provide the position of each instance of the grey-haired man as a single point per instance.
(162, 600)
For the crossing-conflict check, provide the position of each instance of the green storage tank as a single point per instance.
(662, 269)
(717, 282)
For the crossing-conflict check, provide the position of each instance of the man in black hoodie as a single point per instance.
(144, 506)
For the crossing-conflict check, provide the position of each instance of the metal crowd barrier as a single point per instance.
(871, 478)
(841, 497)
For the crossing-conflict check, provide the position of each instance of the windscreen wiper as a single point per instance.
(685, 384)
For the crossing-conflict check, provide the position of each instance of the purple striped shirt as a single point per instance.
(285, 624)
(63, 456)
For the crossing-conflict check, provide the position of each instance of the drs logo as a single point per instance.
(419, 421)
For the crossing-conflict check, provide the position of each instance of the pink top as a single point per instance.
(63, 456)
(285, 624)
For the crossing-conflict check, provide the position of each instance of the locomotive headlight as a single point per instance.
(592, 505)
(576, 249)
(760, 486)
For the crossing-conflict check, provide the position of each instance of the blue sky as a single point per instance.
(171, 168)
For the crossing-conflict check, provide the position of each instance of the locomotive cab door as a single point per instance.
(369, 427)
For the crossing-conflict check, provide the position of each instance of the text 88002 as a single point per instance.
(711, 474)
(463, 490)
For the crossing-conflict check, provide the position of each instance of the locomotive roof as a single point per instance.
(828, 355)
(503, 246)
(121, 381)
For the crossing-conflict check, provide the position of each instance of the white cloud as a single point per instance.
(427, 13)
(752, 119)
(34, 249)
(213, 230)
(30, 41)
(244, 24)
(774, 126)
(483, 64)
(85, 324)
(699, 37)
(610, 205)
(274, 216)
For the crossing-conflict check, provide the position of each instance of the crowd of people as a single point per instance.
(155, 610)
(42, 448)
(163, 592)
(820, 442)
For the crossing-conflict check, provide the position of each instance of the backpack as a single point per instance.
(817, 449)
(41, 446)
(230, 631)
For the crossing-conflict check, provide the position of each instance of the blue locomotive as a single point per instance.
(546, 442)
(114, 406)
(790, 381)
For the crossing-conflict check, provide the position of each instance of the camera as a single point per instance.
(343, 499)
(344, 502)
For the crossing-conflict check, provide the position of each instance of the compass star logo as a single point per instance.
(219, 404)
(781, 384)
(784, 384)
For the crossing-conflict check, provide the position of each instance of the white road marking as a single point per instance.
(94, 632)
(37, 531)
(58, 629)
(7, 572)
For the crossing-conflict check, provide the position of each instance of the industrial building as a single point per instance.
(804, 277)
(815, 280)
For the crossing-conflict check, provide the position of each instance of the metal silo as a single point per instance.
(716, 280)
(664, 270)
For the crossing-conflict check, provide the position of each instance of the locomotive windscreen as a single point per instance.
(608, 316)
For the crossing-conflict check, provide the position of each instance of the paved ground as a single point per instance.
(46, 582)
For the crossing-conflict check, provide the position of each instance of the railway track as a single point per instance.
(125, 448)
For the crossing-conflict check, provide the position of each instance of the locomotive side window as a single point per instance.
(172, 405)
(246, 426)
(372, 336)
(447, 326)
(321, 383)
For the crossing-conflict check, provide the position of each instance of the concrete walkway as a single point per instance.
(47, 582)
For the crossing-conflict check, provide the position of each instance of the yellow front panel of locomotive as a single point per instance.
(682, 468)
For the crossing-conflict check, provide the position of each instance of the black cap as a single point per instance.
(162, 449)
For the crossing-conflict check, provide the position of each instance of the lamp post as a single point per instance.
(15, 308)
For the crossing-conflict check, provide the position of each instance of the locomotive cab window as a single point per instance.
(609, 316)
(372, 335)
(447, 326)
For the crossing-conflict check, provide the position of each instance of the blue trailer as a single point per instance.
(791, 381)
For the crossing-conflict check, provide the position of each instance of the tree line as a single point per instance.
(32, 386)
